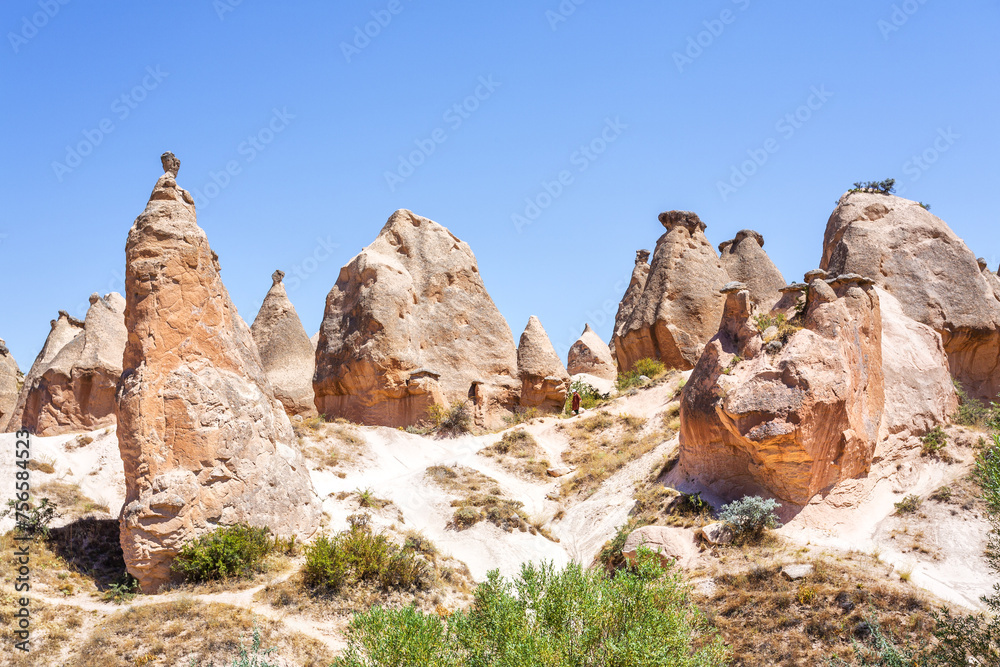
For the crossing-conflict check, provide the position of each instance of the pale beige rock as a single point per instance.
(203, 440)
(668, 542)
(716, 533)
(916, 257)
(795, 571)
(288, 356)
(794, 423)
(544, 379)
(413, 300)
(591, 355)
(745, 260)
(680, 307)
(919, 393)
(10, 380)
(640, 273)
(75, 391)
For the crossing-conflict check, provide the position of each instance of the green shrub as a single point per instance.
(31, 519)
(359, 555)
(886, 187)
(590, 397)
(908, 505)
(571, 617)
(124, 590)
(750, 516)
(647, 367)
(973, 412)
(229, 551)
(453, 420)
(933, 441)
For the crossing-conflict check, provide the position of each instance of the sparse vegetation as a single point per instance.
(480, 499)
(886, 187)
(227, 552)
(924, 206)
(650, 368)
(590, 397)
(933, 441)
(32, 518)
(453, 420)
(574, 616)
(750, 516)
(908, 505)
(519, 451)
(974, 412)
(520, 416)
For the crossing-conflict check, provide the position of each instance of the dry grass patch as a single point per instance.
(330, 446)
(519, 452)
(768, 619)
(185, 632)
(69, 499)
(52, 628)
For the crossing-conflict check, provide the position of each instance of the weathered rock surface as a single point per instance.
(919, 393)
(413, 300)
(680, 306)
(74, 391)
(640, 273)
(64, 330)
(668, 542)
(745, 260)
(718, 532)
(794, 423)
(916, 257)
(544, 379)
(203, 440)
(591, 355)
(286, 352)
(10, 379)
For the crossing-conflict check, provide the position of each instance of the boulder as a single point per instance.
(286, 352)
(591, 355)
(74, 391)
(791, 424)
(544, 379)
(680, 306)
(665, 541)
(412, 300)
(916, 257)
(640, 273)
(716, 533)
(795, 571)
(919, 393)
(10, 381)
(745, 260)
(203, 440)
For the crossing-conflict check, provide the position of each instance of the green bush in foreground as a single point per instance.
(226, 552)
(571, 617)
(360, 555)
(650, 368)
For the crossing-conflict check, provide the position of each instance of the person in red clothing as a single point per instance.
(576, 402)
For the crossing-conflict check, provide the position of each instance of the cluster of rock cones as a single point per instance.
(793, 387)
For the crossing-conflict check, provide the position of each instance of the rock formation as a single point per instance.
(591, 355)
(286, 352)
(793, 423)
(544, 379)
(63, 330)
(745, 260)
(203, 440)
(640, 273)
(10, 380)
(408, 324)
(680, 306)
(74, 391)
(916, 257)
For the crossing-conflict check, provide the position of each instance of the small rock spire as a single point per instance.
(171, 165)
(277, 277)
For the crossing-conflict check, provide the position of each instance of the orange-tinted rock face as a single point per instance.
(203, 440)
(544, 380)
(409, 324)
(680, 306)
(916, 257)
(74, 390)
(794, 421)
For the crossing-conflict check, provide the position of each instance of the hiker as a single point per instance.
(576, 402)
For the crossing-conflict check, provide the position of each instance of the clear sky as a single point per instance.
(300, 134)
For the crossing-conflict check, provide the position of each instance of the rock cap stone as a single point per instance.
(733, 287)
(794, 287)
(171, 165)
(815, 274)
(687, 219)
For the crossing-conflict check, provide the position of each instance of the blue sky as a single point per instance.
(300, 135)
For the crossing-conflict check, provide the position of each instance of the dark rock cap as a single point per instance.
(277, 276)
(641, 256)
(171, 165)
(672, 219)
